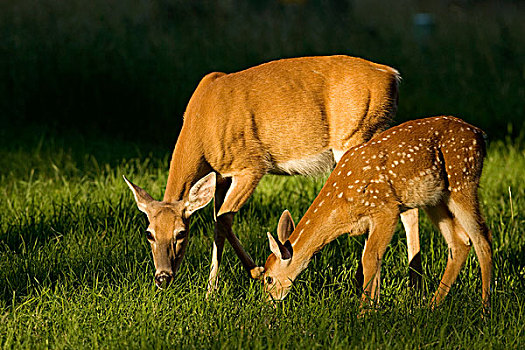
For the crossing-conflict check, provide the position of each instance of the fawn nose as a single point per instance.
(162, 279)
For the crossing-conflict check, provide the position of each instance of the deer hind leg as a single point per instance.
(466, 210)
(240, 189)
(409, 219)
(380, 236)
(458, 247)
(218, 245)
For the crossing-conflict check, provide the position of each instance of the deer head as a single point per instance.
(276, 278)
(168, 227)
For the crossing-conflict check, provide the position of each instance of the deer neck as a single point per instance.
(316, 229)
(187, 166)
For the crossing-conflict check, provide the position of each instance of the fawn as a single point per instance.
(434, 164)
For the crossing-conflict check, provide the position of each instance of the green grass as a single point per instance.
(92, 90)
(75, 268)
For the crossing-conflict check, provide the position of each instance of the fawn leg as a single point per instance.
(458, 248)
(409, 219)
(465, 208)
(380, 236)
(410, 222)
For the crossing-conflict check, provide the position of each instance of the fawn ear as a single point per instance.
(200, 194)
(282, 251)
(285, 226)
(142, 197)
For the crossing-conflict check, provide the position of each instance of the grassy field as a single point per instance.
(75, 268)
(90, 91)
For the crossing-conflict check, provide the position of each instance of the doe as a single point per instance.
(293, 116)
(434, 164)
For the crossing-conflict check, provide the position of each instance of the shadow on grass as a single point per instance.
(70, 247)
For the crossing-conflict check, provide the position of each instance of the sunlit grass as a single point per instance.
(75, 269)
(93, 90)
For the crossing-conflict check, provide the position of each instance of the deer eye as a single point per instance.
(269, 280)
(181, 234)
(149, 236)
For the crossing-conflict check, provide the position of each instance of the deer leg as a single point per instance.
(458, 248)
(218, 245)
(359, 276)
(410, 222)
(375, 247)
(218, 239)
(241, 188)
(469, 217)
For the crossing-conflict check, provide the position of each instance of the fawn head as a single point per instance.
(168, 227)
(276, 278)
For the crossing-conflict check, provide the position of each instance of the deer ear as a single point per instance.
(274, 246)
(285, 226)
(201, 194)
(142, 197)
(282, 251)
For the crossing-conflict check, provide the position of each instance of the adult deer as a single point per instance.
(434, 164)
(291, 116)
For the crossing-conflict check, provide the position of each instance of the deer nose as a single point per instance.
(162, 280)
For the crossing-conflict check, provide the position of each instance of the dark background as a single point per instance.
(124, 70)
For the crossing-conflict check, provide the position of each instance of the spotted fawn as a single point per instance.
(434, 164)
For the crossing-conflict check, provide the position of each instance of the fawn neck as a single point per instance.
(321, 224)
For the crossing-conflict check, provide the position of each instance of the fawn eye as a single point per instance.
(269, 280)
(149, 236)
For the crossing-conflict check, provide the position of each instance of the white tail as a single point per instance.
(434, 164)
(293, 116)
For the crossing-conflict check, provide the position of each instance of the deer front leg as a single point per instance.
(380, 236)
(410, 222)
(224, 227)
(240, 189)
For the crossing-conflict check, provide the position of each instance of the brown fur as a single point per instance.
(434, 164)
(254, 120)
(291, 116)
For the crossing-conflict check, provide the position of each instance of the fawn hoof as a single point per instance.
(415, 273)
